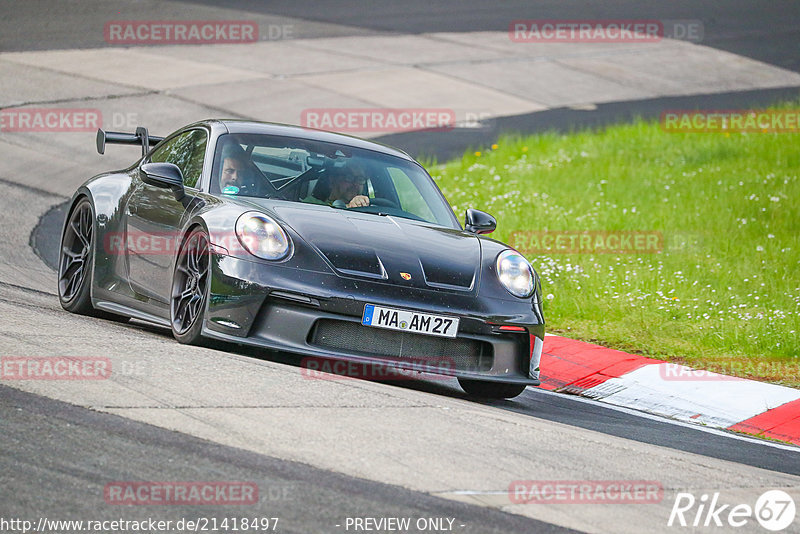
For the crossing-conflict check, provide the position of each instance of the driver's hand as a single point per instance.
(358, 201)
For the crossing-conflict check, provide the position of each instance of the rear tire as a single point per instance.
(490, 390)
(190, 283)
(76, 259)
(76, 263)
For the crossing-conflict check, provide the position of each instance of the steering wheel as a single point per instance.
(385, 202)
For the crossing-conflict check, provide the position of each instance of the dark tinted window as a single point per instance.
(187, 151)
(321, 173)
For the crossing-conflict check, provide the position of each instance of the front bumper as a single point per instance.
(319, 315)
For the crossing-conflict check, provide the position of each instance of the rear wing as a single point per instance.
(141, 137)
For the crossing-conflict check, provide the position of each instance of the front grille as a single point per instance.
(351, 337)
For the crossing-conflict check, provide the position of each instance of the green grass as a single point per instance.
(724, 291)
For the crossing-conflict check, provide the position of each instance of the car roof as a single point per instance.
(235, 126)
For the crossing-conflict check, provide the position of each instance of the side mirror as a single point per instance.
(165, 176)
(479, 222)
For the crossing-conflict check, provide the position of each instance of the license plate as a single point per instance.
(409, 321)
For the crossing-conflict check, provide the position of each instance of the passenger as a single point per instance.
(232, 175)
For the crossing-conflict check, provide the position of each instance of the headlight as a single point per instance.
(261, 236)
(515, 273)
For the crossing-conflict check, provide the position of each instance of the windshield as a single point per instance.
(326, 174)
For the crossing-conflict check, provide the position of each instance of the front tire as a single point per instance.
(490, 390)
(190, 283)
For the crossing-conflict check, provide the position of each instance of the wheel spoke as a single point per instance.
(70, 259)
(73, 269)
(71, 254)
(191, 259)
(86, 226)
(76, 228)
(69, 285)
(180, 310)
(73, 283)
(86, 223)
(202, 259)
(185, 294)
(193, 307)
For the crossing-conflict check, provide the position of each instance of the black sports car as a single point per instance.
(304, 241)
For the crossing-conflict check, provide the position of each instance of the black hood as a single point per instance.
(382, 247)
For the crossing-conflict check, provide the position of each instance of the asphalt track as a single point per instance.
(767, 31)
(538, 403)
(73, 453)
(57, 456)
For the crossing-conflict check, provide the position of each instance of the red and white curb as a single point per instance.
(670, 390)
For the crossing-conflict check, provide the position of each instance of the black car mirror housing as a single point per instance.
(165, 176)
(479, 222)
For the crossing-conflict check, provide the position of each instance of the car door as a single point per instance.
(153, 218)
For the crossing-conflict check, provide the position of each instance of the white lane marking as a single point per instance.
(694, 426)
(476, 492)
(694, 396)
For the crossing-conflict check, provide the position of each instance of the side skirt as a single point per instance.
(120, 309)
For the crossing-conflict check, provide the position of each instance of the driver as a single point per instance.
(342, 188)
(347, 186)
